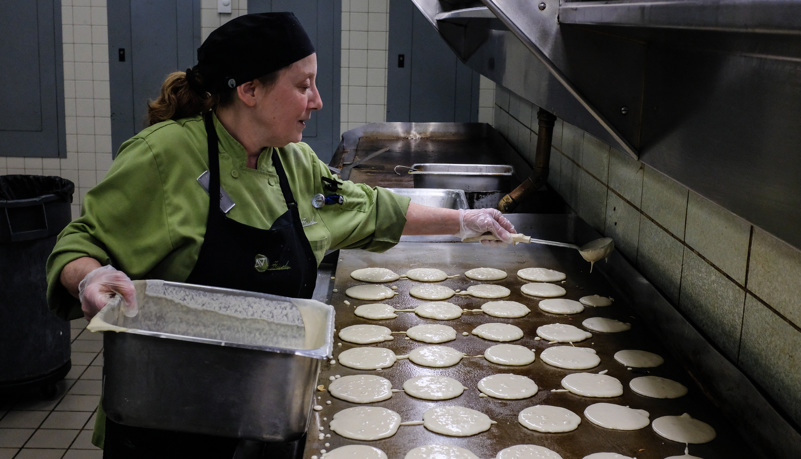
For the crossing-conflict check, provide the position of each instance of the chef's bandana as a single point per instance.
(249, 47)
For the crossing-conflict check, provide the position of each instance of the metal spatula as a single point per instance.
(592, 251)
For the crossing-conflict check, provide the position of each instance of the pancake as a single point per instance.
(375, 275)
(489, 291)
(485, 274)
(365, 334)
(439, 452)
(639, 359)
(456, 421)
(431, 333)
(604, 325)
(438, 310)
(549, 419)
(540, 275)
(570, 358)
(498, 332)
(375, 311)
(370, 292)
(431, 292)
(509, 354)
(426, 275)
(435, 356)
(684, 429)
(361, 388)
(562, 333)
(657, 387)
(507, 386)
(543, 290)
(616, 417)
(365, 423)
(505, 309)
(593, 385)
(527, 452)
(367, 358)
(433, 387)
(351, 451)
(561, 306)
(595, 301)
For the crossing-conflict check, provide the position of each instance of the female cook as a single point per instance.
(232, 123)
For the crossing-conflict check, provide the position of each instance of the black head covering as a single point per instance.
(249, 47)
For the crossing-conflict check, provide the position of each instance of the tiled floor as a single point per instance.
(32, 427)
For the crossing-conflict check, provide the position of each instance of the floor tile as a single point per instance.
(39, 453)
(78, 403)
(23, 419)
(86, 345)
(52, 438)
(8, 453)
(66, 420)
(93, 372)
(82, 358)
(15, 438)
(84, 439)
(84, 454)
(86, 387)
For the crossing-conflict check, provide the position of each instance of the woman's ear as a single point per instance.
(247, 93)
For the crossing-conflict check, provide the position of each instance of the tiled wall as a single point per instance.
(365, 31)
(736, 283)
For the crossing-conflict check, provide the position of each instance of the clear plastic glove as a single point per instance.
(103, 284)
(475, 222)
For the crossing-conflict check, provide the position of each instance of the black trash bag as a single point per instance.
(33, 206)
(14, 187)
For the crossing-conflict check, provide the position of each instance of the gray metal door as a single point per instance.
(32, 80)
(425, 80)
(148, 39)
(322, 21)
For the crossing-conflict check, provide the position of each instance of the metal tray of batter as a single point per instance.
(229, 371)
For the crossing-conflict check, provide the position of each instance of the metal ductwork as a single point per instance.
(707, 92)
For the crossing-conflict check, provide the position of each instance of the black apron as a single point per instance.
(278, 261)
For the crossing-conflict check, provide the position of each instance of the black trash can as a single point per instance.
(34, 342)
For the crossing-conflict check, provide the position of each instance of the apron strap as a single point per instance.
(214, 161)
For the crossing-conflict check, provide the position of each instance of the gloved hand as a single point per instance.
(103, 284)
(475, 222)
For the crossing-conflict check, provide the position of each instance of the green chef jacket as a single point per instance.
(147, 217)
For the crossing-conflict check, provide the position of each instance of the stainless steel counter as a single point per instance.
(656, 327)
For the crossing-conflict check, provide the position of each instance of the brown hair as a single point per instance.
(182, 96)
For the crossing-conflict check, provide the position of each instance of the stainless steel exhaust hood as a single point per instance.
(705, 91)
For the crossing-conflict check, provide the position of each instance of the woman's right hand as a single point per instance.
(101, 285)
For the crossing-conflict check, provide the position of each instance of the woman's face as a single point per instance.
(286, 105)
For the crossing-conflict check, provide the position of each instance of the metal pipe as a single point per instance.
(542, 157)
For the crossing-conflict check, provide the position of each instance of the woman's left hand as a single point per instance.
(475, 222)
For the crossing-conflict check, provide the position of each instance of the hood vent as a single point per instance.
(707, 92)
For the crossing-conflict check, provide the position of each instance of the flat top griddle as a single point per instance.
(455, 259)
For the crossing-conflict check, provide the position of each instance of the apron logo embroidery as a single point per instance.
(263, 264)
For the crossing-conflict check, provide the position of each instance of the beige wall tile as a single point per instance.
(626, 176)
(718, 235)
(774, 275)
(591, 200)
(713, 303)
(659, 258)
(769, 355)
(665, 200)
(623, 225)
(595, 158)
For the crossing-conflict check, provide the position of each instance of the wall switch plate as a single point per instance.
(224, 6)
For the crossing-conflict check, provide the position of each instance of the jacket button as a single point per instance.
(235, 173)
